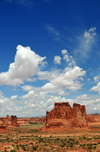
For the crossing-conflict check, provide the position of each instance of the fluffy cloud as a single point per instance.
(96, 78)
(65, 79)
(96, 88)
(31, 94)
(83, 97)
(35, 103)
(13, 97)
(38, 104)
(64, 51)
(63, 93)
(68, 58)
(48, 86)
(27, 88)
(57, 59)
(26, 64)
(9, 105)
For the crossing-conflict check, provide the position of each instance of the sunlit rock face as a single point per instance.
(64, 115)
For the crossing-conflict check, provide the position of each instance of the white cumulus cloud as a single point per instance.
(63, 93)
(57, 59)
(49, 86)
(68, 58)
(96, 78)
(64, 51)
(68, 78)
(96, 88)
(26, 64)
(13, 97)
(27, 87)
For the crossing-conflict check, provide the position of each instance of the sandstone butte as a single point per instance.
(8, 121)
(63, 115)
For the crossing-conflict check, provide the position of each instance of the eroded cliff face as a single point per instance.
(64, 115)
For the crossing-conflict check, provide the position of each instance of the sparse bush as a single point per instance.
(84, 137)
(57, 139)
(34, 148)
(17, 147)
(71, 144)
(41, 140)
(94, 143)
(12, 150)
(23, 147)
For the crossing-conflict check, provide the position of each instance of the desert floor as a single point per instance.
(30, 138)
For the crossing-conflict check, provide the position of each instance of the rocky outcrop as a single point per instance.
(64, 115)
(37, 119)
(9, 121)
(96, 116)
(14, 121)
(28, 120)
(90, 119)
(22, 122)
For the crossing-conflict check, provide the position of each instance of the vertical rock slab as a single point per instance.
(14, 121)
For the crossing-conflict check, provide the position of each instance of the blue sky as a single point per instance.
(49, 53)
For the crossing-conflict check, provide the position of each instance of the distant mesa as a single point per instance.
(64, 116)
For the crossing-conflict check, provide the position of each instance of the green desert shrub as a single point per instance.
(34, 148)
(12, 150)
(23, 147)
(41, 140)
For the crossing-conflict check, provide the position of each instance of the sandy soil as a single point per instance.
(28, 138)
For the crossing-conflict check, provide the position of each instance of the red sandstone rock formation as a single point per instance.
(1, 123)
(90, 119)
(27, 120)
(96, 116)
(37, 119)
(8, 121)
(22, 122)
(64, 115)
(14, 121)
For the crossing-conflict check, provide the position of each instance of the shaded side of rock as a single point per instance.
(14, 121)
